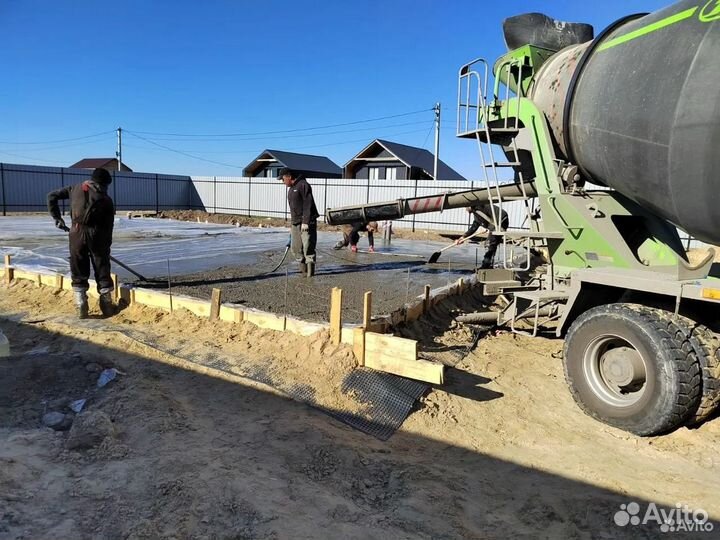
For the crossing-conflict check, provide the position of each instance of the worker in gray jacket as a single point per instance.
(303, 220)
(483, 217)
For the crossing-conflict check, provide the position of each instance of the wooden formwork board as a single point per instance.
(378, 351)
(399, 356)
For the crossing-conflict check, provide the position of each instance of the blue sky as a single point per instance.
(80, 68)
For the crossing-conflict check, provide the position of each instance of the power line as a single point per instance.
(45, 148)
(190, 153)
(183, 153)
(59, 140)
(55, 163)
(295, 136)
(284, 130)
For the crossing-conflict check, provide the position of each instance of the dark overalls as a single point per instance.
(483, 218)
(93, 215)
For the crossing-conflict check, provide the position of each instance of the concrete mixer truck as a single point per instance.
(635, 110)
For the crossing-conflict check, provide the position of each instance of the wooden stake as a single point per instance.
(59, 282)
(460, 285)
(426, 299)
(359, 344)
(215, 304)
(336, 315)
(116, 287)
(9, 270)
(367, 310)
(38, 280)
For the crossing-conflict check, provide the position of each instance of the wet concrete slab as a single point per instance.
(393, 280)
(203, 256)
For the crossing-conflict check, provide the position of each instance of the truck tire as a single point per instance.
(624, 368)
(706, 346)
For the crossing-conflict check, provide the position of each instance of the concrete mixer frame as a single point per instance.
(640, 323)
(583, 228)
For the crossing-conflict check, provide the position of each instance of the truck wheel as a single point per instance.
(706, 347)
(625, 369)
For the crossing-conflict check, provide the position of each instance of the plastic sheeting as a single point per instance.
(147, 244)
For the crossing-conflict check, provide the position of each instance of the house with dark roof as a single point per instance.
(269, 163)
(386, 160)
(109, 164)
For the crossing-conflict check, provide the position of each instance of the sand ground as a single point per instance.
(170, 451)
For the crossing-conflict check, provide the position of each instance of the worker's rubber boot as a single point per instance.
(339, 245)
(310, 269)
(486, 264)
(106, 304)
(81, 304)
(303, 268)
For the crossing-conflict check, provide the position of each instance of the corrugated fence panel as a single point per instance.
(26, 188)
(204, 192)
(268, 198)
(174, 192)
(229, 195)
(134, 191)
(346, 192)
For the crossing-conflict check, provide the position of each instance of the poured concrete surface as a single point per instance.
(290, 293)
(147, 244)
(202, 256)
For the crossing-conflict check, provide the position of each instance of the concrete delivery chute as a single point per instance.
(568, 110)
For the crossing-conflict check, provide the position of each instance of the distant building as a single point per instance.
(269, 163)
(386, 160)
(110, 164)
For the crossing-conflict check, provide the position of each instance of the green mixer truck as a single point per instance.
(635, 110)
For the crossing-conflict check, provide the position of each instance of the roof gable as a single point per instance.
(92, 163)
(410, 156)
(306, 163)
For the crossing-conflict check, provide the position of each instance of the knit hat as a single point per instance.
(101, 176)
(285, 171)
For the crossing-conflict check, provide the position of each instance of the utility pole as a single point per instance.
(437, 139)
(118, 154)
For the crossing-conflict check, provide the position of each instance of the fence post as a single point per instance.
(2, 183)
(325, 200)
(214, 194)
(249, 194)
(114, 183)
(190, 188)
(157, 195)
(62, 185)
(413, 221)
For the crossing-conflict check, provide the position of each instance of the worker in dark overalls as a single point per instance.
(483, 217)
(93, 215)
(351, 236)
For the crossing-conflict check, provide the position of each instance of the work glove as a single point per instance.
(459, 241)
(60, 224)
(305, 227)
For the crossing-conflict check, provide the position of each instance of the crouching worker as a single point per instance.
(93, 213)
(483, 218)
(351, 236)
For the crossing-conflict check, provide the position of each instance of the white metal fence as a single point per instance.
(23, 188)
(267, 197)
